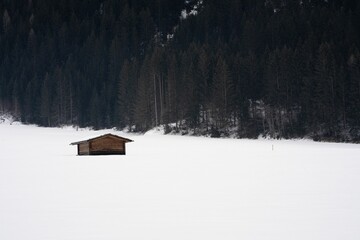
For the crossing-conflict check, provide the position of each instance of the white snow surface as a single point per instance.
(175, 187)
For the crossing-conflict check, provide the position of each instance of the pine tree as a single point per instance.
(353, 92)
(45, 102)
(172, 108)
(222, 92)
(203, 82)
(95, 118)
(122, 96)
(144, 115)
(325, 82)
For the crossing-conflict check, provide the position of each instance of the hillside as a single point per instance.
(239, 68)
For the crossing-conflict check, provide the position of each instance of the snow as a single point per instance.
(169, 36)
(175, 187)
(183, 14)
(193, 12)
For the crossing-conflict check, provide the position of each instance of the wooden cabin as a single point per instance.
(107, 144)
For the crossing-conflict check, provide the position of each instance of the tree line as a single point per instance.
(241, 68)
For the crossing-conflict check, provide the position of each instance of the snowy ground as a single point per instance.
(172, 187)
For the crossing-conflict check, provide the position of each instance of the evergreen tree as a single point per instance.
(45, 102)
(222, 92)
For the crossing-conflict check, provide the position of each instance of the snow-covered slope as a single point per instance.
(172, 187)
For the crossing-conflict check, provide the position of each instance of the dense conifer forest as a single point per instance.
(284, 68)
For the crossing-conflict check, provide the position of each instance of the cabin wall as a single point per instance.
(83, 149)
(107, 146)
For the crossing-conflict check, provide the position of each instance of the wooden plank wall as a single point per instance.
(84, 149)
(108, 143)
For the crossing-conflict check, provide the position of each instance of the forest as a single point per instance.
(230, 68)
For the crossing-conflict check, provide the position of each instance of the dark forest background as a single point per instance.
(284, 68)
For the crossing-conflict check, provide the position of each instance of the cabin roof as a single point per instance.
(103, 136)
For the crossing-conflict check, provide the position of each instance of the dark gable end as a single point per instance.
(107, 144)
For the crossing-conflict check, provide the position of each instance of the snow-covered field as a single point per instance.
(173, 187)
